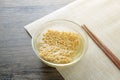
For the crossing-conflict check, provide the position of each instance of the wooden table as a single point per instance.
(17, 59)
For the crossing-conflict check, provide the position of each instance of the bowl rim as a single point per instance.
(67, 64)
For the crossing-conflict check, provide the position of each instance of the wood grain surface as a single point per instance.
(17, 59)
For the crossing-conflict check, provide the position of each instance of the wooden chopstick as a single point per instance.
(107, 51)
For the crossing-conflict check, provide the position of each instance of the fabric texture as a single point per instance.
(103, 18)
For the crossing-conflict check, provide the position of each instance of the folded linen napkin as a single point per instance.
(103, 18)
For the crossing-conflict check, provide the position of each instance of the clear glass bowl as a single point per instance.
(60, 25)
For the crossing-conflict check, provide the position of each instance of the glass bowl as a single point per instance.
(59, 25)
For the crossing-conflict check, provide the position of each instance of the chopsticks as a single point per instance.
(107, 51)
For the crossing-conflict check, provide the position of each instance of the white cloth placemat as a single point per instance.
(103, 18)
